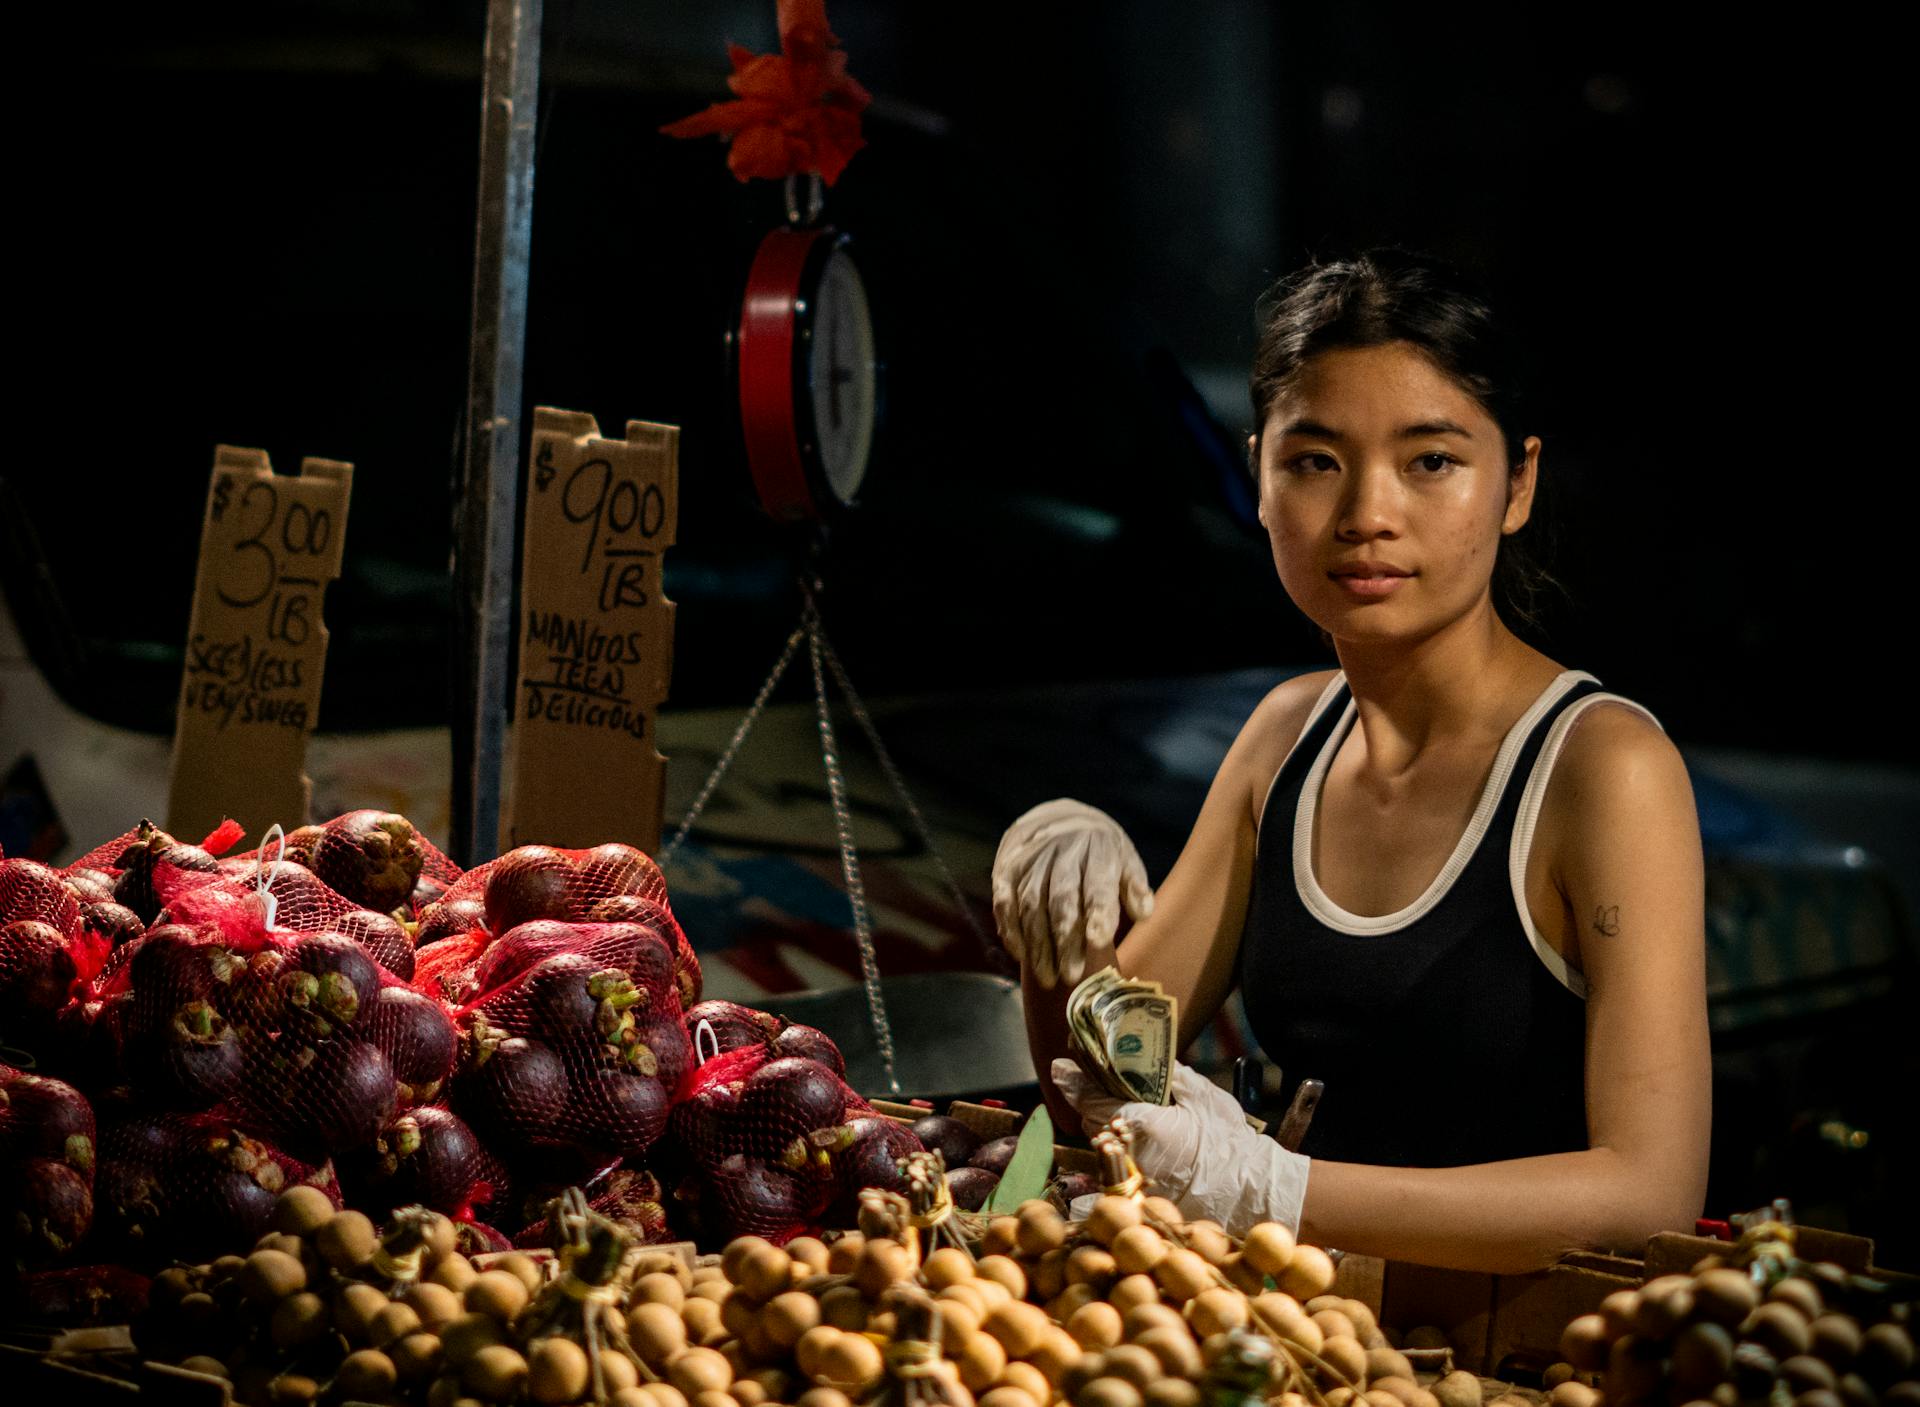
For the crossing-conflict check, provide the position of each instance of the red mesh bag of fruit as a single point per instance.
(47, 1156)
(135, 870)
(768, 1144)
(575, 1040)
(189, 1186)
(262, 998)
(374, 859)
(610, 883)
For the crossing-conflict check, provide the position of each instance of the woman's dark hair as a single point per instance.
(1392, 295)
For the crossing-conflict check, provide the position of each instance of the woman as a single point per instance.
(1456, 881)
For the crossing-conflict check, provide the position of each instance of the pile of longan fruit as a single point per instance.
(1128, 1309)
(307, 1317)
(1814, 1337)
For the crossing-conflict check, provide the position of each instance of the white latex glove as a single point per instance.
(1059, 878)
(1198, 1151)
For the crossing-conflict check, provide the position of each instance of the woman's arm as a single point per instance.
(1189, 941)
(1628, 865)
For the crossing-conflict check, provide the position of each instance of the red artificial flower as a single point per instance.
(794, 111)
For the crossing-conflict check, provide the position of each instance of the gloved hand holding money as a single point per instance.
(1125, 1029)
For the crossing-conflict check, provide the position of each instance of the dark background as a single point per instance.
(253, 224)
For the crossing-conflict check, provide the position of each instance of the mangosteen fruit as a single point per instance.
(45, 1118)
(417, 1037)
(194, 1062)
(614, 868)
(784, 1101)
(971, 1187)
(512, 1086)
(866, 1151)
(88, 886)
(734, 1026)
(340, 1099)
(995, 1155)
(532, 881)
(371, 857)
(954, 1140)
(48, 1206)
(624, 1113)
(572, 999)
(755, 1198)
(330, 979)
(425, 1156)
(666, 1042)
(448, 918)
(36, 976)
(31, 890)
(621, 908)
(116, 923)
(812, 1044)
(383, 938)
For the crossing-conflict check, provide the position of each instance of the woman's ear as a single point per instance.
(1521, 483)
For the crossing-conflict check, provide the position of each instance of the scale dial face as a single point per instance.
(842, 375)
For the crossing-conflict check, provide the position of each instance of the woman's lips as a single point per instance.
(1368, 588)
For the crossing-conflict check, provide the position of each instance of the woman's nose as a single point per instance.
(1371, 508)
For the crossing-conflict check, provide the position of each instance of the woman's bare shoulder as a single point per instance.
(1617, 767)
(1275, 726)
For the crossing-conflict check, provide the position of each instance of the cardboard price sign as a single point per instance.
(596, 634)
(257, 645)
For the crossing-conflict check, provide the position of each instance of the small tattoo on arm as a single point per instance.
(1606, 921)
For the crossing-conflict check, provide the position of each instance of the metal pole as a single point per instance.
(486, 490)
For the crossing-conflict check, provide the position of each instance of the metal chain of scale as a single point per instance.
(821, 652)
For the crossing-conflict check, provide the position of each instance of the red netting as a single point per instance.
(767, 1145)
(189, 1186)
(84, 1296)
(47, 1154)
(444, 969)
(731, 1026)
(296, 1032)
(610, 883)
(428, 1157)
(575, 1039)
(38, 969)
(631, 1196)
(31, 891)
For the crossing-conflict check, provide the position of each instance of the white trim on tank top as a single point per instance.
(1529, 817)
(1367, 925)
(1313, 717)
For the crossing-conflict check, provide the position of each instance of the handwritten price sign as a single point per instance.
(257, 646)
(596, 633)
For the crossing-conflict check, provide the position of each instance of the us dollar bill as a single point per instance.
(1126, 1027)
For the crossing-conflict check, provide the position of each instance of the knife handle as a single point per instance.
(1293, 1128)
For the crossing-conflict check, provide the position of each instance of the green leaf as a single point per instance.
(1026, 1175)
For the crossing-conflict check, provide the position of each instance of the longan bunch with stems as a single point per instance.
(575, 1332)
(1759, 1327)
(324, 1305)
(934, 1215)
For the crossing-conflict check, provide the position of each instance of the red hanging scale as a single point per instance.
(805, 373)
(801, 350)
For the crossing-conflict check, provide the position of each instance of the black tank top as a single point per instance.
(1449, 1032)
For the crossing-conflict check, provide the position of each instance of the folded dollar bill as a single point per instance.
(1126, 1028)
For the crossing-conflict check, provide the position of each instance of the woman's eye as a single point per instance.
(1311, 463)
(1436, 463)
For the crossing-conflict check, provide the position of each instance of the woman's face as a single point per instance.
(1385, 489)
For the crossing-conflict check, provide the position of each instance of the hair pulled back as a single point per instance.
(1393, 295)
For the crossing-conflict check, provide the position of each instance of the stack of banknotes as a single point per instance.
(1125, 1029)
